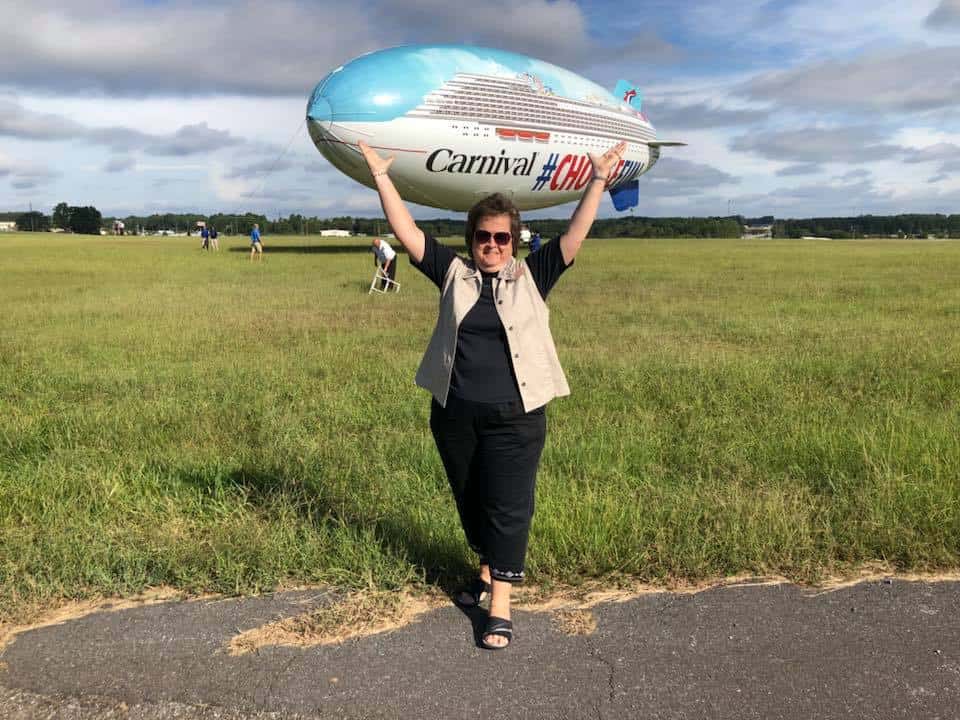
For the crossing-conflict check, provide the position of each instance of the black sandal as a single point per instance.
(500, 628)
(474, 594)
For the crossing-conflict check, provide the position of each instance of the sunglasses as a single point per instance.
(482, 237)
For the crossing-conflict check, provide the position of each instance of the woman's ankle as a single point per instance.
(500, 600)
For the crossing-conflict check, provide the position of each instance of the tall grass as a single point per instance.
(174, 417)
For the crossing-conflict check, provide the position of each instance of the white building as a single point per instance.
(752, 232)
(334, 233)
(7, 226)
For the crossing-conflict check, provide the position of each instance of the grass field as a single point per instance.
(170, 417)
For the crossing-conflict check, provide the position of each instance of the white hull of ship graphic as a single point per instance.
(453, 163)
(463, 122)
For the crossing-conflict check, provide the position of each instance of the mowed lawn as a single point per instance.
(174, 417)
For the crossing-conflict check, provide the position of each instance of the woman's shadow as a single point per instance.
(443, 565)
(440, 562)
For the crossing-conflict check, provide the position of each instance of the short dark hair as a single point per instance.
(496, 204)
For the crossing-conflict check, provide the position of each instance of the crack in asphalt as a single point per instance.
(610, 683)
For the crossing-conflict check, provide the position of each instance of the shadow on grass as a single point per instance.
(440, 562)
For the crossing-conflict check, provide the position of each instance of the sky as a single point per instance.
(791, 108)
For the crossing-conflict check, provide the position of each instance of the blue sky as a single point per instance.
(790, 108)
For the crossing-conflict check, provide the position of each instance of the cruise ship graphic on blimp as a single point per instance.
(464, 122)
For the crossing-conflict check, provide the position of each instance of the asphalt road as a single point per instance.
(880, 649)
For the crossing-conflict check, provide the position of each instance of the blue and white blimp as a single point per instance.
(463, 122)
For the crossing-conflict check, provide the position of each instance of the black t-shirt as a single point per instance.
(482, 371)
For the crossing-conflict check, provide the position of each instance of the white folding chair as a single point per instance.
(380, 276)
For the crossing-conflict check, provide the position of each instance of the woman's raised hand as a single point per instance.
(603, 164)
(378, 165)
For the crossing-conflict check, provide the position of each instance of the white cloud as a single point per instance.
(946, 16)
(799, 169)
(896, 80)
(676, 176)
(28, 175)
(934, 153)
(180, 48)
(177, 48)
(700, 115)
(120, 164)
(260, 169)
(808, 29)
(17, 121)
(191, 140)
(775, 99)
(824, 145)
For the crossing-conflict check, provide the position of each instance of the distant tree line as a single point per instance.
(872, 225)
(83, 220)
(33, 221)
(88, 220)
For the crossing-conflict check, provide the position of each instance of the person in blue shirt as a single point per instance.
(205, 241)
(534, 242)
(256, 249)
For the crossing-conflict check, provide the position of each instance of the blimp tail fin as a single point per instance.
(628, 93)
(626, 196)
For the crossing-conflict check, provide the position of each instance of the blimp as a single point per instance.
(463, 122)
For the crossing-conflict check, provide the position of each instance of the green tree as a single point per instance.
(33, 222)
(85, 220)
(61, 216)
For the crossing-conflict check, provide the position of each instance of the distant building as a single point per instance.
(7, 226)
(754, 232)
(334, 233)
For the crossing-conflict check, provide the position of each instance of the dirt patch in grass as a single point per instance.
(359, 614)
(369, 612)
(575, 622)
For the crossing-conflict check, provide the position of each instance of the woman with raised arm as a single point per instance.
(491, 367)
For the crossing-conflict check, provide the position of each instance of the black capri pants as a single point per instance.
(491, 452)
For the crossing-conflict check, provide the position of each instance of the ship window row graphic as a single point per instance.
(482, 99)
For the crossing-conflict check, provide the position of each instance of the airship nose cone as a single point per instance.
(320, 110)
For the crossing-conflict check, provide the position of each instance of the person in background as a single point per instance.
(386, 258)
(491, 367)
(534, 242)
(214, 243)
(204, 238)
(524, 235)
(256, 247)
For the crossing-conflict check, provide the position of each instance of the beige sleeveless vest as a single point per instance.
(525, 319)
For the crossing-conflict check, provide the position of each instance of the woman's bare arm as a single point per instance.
(404, 228)
(586, 212)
